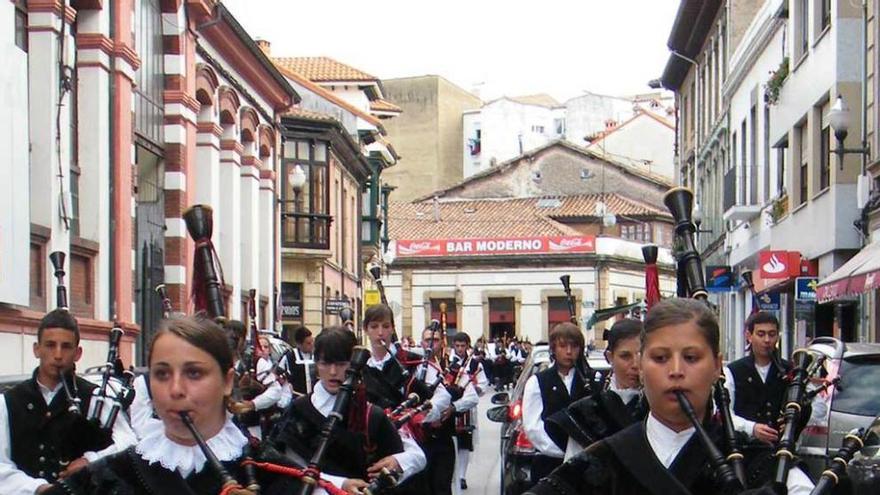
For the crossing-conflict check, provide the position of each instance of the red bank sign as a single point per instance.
(496, 246)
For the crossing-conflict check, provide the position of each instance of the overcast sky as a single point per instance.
(513, 47)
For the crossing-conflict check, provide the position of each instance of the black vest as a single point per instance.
(385, 387)
(755, 399)
(555, 397)
(298, 372)
(349, 452)
(43, 438)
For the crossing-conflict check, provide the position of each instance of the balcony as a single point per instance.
(732, 210)
(305, 230)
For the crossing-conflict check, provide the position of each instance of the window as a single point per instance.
(780, 167)
(742, 166)
(803, 156)
(803, 27)
(81, 286)
(753, 157)
(149, 78)
(305, 215)
(21, 25)
(559, 125)
(75, 172)
(766, 187)
(824, 14)
(636, 232)
(825, 164)
(37, 277)
(538, 129)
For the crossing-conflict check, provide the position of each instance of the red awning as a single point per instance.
(859, 274)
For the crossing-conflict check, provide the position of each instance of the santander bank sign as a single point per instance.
(496, 246)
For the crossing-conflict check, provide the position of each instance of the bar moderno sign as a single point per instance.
(496, 246)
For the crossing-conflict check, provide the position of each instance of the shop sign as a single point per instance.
(779, 264)
(719, 279)
(805, 288)
(769, 301)
(371, 297)
(496, 246)
(335, 304)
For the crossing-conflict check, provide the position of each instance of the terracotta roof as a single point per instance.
(384, 106)
(518, 217)
(327, 94)
(323, 69)
(514, 162)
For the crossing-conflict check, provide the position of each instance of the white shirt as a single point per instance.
(441, 399)
(156, 447)
(411, 460)
(666, 444)
(17, 482)
(272, 394)
(533, 425)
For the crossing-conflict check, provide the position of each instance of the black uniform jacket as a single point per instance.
(625, 464)
(126, 473)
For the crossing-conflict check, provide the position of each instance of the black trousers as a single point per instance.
(440, 454)
(543, 465)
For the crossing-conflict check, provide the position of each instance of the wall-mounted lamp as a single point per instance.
(839, 118)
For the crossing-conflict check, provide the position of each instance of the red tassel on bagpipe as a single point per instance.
(295, 473)
(652, 277)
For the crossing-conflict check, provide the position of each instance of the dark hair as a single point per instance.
(566, 331)
(334, 344)
(462, 337)
(58, 318)
(626, 328)
(236, 328)
(759, 318)
(675, 311)
(301, 334)
(199, 332)
(378, 312)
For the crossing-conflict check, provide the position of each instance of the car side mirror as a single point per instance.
(497, 414)
(501, 398)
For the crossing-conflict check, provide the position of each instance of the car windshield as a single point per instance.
(859, 390)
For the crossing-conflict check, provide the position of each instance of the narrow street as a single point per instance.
(484, 472)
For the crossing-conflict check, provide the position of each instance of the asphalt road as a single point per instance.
(484, 471)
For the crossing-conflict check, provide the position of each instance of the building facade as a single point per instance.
(153, 109)
(428, 134)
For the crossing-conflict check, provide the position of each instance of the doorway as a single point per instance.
(502, 317)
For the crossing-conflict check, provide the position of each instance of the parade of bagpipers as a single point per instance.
(265, 247)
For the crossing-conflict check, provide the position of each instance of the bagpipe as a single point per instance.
(582, 367)
(730, 469)
(74, 403)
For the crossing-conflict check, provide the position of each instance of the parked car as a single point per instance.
(517, 451)
(853, 403)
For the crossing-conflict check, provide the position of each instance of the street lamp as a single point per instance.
(697, 217)
(839, 118)
(297, 180)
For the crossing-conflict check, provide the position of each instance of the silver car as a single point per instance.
(853, 403)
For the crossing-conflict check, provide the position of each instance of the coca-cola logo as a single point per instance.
(567, 244)
(414, 248)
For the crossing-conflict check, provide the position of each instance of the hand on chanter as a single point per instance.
(73, 467)
(388, 462)
(765, 433)
(354, 486)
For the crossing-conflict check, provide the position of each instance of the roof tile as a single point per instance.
(320, 69)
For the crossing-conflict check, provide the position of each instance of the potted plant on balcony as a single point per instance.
(779, 208)
(775, 83)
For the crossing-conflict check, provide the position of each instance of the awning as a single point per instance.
(604, 314)
(859, 274)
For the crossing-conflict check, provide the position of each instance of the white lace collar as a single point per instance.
(625, 394)
(185, 459)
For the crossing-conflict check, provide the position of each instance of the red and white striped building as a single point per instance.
(121, 115)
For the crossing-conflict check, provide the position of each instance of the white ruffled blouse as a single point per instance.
(154, 446)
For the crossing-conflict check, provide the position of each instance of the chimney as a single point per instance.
(436, 209)
(265, 46)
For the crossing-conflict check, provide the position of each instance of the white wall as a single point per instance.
(644, 140)
(471, 164)
(586, 114)
(503, 122)
(14, 214)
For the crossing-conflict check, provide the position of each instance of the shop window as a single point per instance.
(557, 311)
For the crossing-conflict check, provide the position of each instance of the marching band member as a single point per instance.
(550, 391)
(756, 383)
(190, 371)
(44, 434)
(260, 392)
(662, 455)
(368, 443)
(302, 370)
(439, 424)
(468, 373)
(608, 411)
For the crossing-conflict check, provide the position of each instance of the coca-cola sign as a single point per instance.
(496, 246)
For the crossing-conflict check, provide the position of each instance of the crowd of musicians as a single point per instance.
(219, 413)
